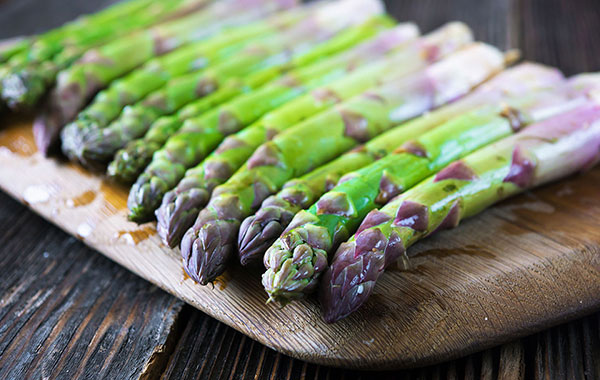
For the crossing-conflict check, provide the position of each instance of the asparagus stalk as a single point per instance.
(98, 67)
(32, 74)
(260, 231)
(201, 135)
(109, 103)
(181, 206)
(100, 145)
(544, 152)
(47, 45)
(130, 161)
(337, 214)
(13, 46)
(207, 246)
(43, 48)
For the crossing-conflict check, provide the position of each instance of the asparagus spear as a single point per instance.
(544, 152)
(337, 213)
(98, 67)
(180, 206)
(47, 45)
(207, 246)
(260, 231)
(130, 161)
(109, 103)
(12, 47)
(31, 75)
(44, 47)
(98, 146)
(201, 135)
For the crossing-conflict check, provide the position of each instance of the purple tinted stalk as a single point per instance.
(98, 67)
(544, 152)
(208, 245)
(181, 206)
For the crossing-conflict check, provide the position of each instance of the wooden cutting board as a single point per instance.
(527, 264)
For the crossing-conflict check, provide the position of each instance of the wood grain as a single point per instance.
(552, 31)
(523, 266)
(54, 325)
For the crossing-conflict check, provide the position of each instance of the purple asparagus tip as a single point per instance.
(46, 129)
(255, 237)
(342, 290)
(206, 250)
(56, 112)
(177, 213)
(356, 267)
(260, 231)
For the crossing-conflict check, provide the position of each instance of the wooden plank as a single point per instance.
(499, 276)
(66, 312)
(424, 15)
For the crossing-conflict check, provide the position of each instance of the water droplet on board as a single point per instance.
(18, 140)
(115, 197)
(222, 281)
(84, 230)
(36, 194)
(136, 236)
(81, 200)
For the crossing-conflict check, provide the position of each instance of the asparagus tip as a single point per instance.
(128, 163)
(206, 250)
(293, 268)
(345, 285)
(178, 212)
(46, 129)
(257, 233)
(144, 198)
(22, 90)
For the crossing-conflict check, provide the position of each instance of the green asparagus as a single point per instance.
(260, 231)
(207, 246)
(47, 45)
(12, 47)
(43, 48)
(30, 75)
(130, 161)
(544, 152)
(201, 135)
(98, 146)
(109, 103)
(337, 214)
(98, 67)
(181, 206)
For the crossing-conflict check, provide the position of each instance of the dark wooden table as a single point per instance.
(67, 312)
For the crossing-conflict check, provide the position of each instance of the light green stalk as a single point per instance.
(99, 67)
(130, 161)
(539, 154)
(181, 206)
(31, 73)
(206, 63)
(275, 52)
(199, 136)
(207, 246)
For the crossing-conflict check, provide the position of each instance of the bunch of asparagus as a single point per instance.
(322, 139)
